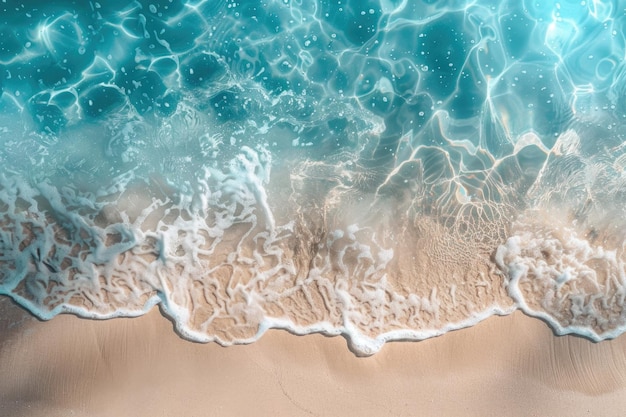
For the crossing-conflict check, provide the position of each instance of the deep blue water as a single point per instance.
(381, 169)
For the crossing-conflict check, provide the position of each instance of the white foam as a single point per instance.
(560, 277)
(216, 268)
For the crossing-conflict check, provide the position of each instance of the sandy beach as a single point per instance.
(504, 366)
(385, 170)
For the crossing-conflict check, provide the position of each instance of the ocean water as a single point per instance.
(384, 170)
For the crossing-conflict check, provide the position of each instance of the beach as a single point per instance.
(382, 208)
(504, 366)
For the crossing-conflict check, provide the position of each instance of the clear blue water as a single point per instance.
(379, 169)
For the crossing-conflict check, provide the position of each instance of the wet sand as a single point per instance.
(504, 366)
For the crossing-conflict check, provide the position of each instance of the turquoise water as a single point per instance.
(385, 170)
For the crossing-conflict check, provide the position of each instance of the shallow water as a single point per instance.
(384, 170)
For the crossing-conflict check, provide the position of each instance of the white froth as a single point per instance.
(217, 269)
(562, 278)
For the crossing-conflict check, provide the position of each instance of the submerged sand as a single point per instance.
(504, 366)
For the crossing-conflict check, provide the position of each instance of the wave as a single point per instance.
(376, 170)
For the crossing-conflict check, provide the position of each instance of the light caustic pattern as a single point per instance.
(383, 170)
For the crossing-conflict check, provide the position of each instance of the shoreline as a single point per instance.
(511, 365)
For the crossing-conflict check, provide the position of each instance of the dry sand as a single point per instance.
(505, 366)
